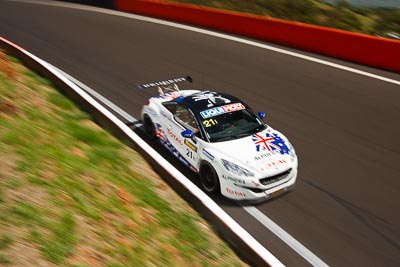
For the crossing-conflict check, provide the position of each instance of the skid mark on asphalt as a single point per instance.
(357, 213)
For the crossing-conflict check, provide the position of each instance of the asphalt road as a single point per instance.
(345, 126)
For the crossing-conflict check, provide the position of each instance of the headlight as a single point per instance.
(291, 147)
(232, 167)
(292, 152)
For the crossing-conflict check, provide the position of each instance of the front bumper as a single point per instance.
(257, 192)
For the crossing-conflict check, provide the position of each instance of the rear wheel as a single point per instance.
(149, 128)
(209, 179)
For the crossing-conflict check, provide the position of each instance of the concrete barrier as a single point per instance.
(360, 48)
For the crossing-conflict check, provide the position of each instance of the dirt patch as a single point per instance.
(8, 108)
(8, 163)
(24, 253)
(89, 250)
(21, 251)
(29, 193)
(6, 67)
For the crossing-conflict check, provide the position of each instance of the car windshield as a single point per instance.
(221, 125)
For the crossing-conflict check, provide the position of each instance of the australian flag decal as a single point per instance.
(270, 142)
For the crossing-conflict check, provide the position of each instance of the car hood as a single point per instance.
(266, 152)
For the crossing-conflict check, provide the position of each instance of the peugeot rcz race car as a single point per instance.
(219, 137)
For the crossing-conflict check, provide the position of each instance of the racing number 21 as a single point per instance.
(210, 122)
(189, 153)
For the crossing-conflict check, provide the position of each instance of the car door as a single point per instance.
(187, 148)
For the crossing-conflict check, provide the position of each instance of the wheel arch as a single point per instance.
(206, 166)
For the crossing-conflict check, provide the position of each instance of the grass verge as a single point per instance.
(73, 195)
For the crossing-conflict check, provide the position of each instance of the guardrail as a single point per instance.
(240, 240)
(360, 48)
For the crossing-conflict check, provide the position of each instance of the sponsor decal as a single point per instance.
(256, 184)
(192, 168)
(235, 193)
(208, 154)
(277, 162)
(263, 156)
(234, 180)
(272, 164)
(175, 152)
(210, 97)
(190, 145)
(174, 136)
(270, 142)
(233, 107)
(164, 114)
(212, 112)
(160, 132)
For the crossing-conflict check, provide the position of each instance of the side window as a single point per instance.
(171, 107)
(186, 118)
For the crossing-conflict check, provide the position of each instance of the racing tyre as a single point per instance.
(149, 128)
(209, 179)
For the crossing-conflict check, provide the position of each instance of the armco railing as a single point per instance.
(360, 48)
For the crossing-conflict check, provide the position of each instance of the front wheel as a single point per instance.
(209, 179)
(149, 128)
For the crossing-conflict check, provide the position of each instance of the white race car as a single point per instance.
(219, 137)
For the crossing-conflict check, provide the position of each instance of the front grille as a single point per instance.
(276, 178)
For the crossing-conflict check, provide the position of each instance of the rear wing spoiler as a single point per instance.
(166, 85)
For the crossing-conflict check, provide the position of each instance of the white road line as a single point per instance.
(215, 34)
(285, 237)
(104, 100)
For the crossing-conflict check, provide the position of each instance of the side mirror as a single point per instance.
(261, 114)
(187, 134)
